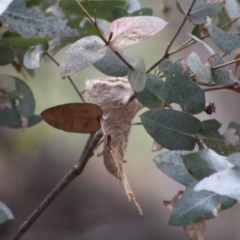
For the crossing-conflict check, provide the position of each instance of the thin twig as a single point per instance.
(191, 41)
(226, 64)
(232, 86)
(69, 78)
(166, 52)
(107, 41)
(75, 171)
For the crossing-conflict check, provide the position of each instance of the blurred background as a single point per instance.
(94, 206)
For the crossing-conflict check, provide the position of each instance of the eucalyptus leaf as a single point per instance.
(233, 10)
(82, 54)
(172, 165)
(111, 65)
(201, 9)
(204, 163)
(197, 30)
(220, 75)
(179, 7)
(224, 20)
(131, 30)
(34, 55)
(137, 76)
(225, 144)
(225, 182)
(193, 206)
(202, 72)
(225, 41)
(165, 65)
(17, 104)
(173, 130)
(5, 213)
(33, 23)
(211, 51)
(152, 94)
(180, 89)
(234, 159)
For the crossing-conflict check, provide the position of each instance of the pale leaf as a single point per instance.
(131, 30)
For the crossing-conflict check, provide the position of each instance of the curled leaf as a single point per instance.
(74, 117)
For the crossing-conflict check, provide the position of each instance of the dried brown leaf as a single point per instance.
(74, 117)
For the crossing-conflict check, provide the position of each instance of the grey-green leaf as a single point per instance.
(171, 129)
(165, 65)
(17, 103)
(224, 20)
(233, 9)
(220, 75)
(6, 55)
(5, 213)
(180, 89)
(112, 65)
(152, 94)
(202, 72)
(201, 9)
(225, 41)
(82, 54)
(33, 23)
(137, 76)
(193, 206)
(225, 144)
(234, 159)
(172, 165)
(226, 183)
(204, 163)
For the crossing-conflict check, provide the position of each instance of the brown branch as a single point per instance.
(166, 52)
(107, 41)
(75, 171)
(225, 64)
(232, 86)
(69, 78)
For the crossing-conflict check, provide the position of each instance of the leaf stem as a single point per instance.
(166, 52)
(107, 41)
(69, 78)
(75, 171)
(201, 143)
